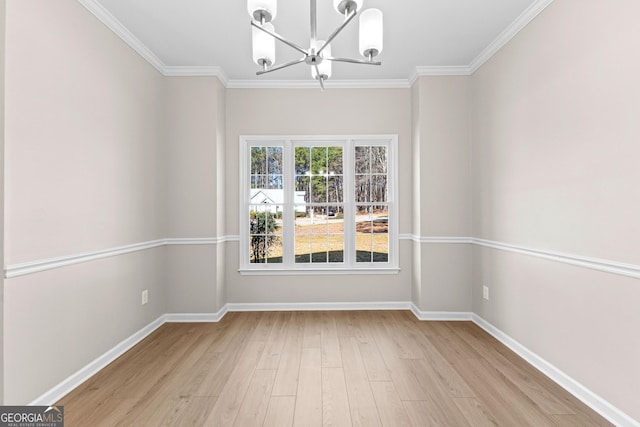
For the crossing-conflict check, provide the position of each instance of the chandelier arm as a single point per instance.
(333, 35)
(279, 37)
(281, 66)
(319, 76)
(352, 61)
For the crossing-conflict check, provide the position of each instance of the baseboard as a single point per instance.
(196, 317)
(63, 388)
(319, 306)
(440, 315)
(592, 400)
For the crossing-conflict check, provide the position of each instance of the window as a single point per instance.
(318, 204)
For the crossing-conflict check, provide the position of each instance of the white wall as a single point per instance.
(82, 132)
(312, 112)
(555, 158)
(442, 192)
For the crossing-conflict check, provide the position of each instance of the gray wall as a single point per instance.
(194, 150)
(555, 167)
(82, 132)
(441, 123)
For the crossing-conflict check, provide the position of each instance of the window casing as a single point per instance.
(318, 204)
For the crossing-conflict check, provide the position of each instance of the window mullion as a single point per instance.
(349, 208)
(245, 167)
(288, 216)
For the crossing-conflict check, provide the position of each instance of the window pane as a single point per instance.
(335, 192)
(318, 189)
(381, 245)
(275, 182)
(303, 156)
(362, 188)
(335, 241)
(378, 188)
(274, 217)
(363, 247)
(334, 160)
(302, 184)
(362, 156)
(319, 160)
(258, 161)
(378, 159)
(302, 247)
(319, 248)
(258, 181)
(274, 160)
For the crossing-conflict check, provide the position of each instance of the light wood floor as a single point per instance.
(382, 368)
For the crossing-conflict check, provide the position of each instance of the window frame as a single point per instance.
(349, 264)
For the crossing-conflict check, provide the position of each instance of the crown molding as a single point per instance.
(510, 32)
(312, 84)
(434, 71)
(196, 71)
(121, 31)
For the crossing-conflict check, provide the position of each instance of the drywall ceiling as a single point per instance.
(428, 34)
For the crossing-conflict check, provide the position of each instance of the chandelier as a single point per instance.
(318, 54)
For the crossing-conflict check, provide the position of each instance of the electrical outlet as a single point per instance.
(485, 292)
(145, 297)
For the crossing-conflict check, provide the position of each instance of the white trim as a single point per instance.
(510, 32)
(320, 306)
(438, 71)
(592, 400)
(440, 315)
(21, 269)
(73, 381)
(312, 84)
(629, 270)
(186, 71)
(329, 270)
(121, 31)
(196, 317)
(195, 240)
(442, 239)
(15, 270)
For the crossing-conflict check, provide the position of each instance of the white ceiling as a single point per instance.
(418, 34)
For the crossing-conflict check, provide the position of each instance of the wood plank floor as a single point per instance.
(382, 368)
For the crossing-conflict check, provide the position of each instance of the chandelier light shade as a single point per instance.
(324, 67)
(264, 46)
(318, 55)
(262, 10)
(346, 6)
(371, 33)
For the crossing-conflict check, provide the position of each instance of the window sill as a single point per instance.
(316, 271)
